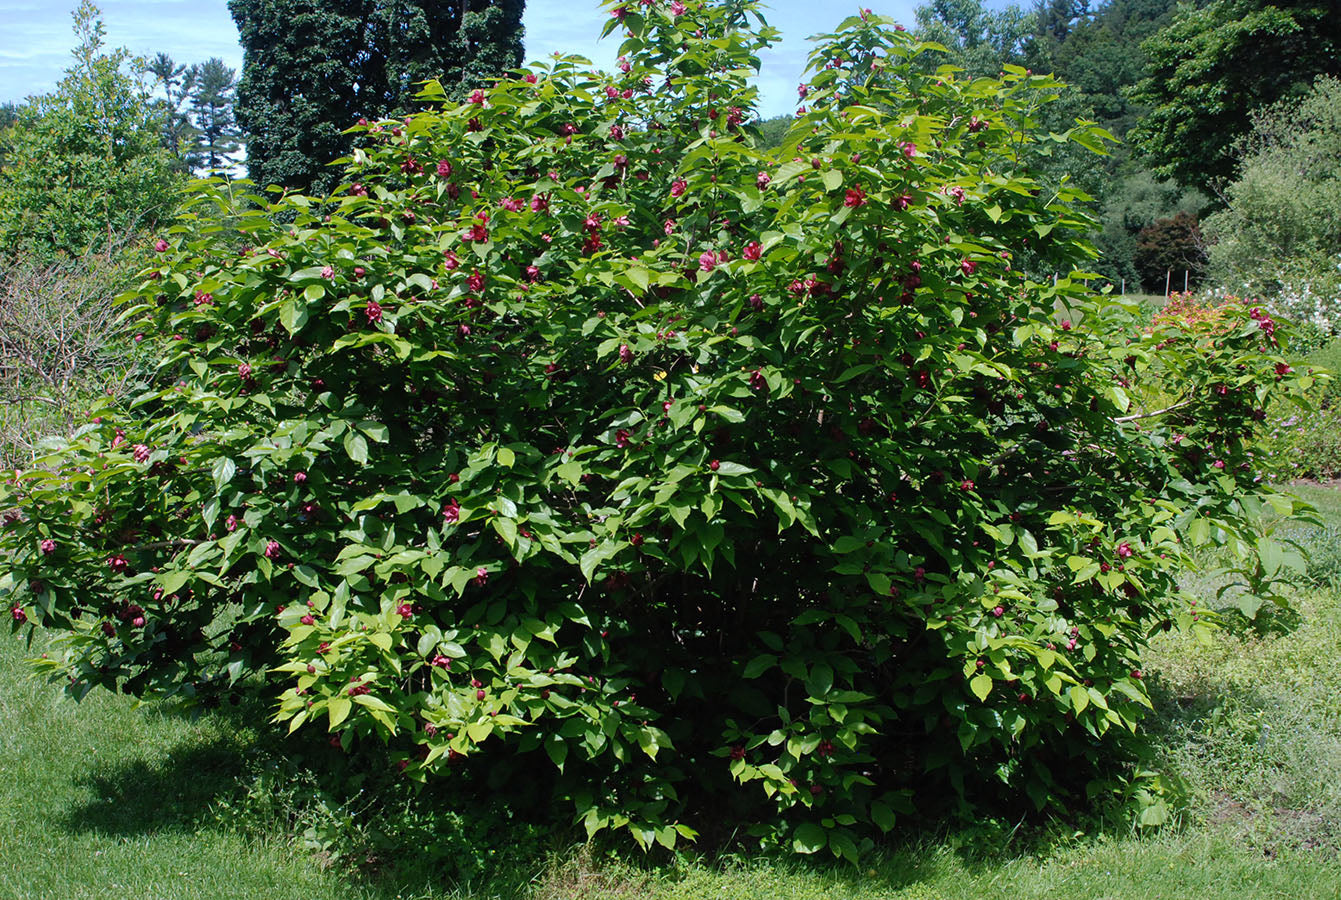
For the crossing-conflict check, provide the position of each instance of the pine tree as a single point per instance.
(213, 94)
(176, 81)
(314, 67)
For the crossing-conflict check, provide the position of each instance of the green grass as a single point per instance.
(104, 799)
(1198, 865)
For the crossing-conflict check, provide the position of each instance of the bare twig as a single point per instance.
(1158, 412)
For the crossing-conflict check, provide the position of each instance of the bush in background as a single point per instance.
(63, 349)
(1278, 238)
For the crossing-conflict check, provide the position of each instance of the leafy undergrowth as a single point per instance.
(109, 800)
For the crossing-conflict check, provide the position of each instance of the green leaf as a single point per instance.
(882, 816)
(640, 277)
(293, 316)
(809, 838)
(981, 685)
(507, 530)
(506, 457)
(1272, 555)
(172, 582)
(759, 665)
(673, 681)
(651, 740)
(338, 708)
(223, 471)
(557, 749)
(356, 446)
(305, 575)
(375, 430)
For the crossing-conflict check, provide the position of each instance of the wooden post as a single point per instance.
(1168, 273)
(1124, 287)
(1185, 281)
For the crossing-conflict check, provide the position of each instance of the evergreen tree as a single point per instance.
(176, 81)
(213, 93)
(314, 67)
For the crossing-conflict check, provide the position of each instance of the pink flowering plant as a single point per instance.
(577, 437)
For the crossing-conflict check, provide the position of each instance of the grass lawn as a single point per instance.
(106, 800)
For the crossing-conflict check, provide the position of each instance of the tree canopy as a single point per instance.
(85, 163)
(1213, 65)
(313, 68)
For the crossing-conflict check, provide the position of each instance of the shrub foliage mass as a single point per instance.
(691, 483)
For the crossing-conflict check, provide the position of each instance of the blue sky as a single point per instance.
(36, 36)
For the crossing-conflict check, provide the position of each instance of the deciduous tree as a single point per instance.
(1214, 65)
(86, 163)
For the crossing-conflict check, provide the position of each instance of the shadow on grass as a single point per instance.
(140, 798)
(382, 835)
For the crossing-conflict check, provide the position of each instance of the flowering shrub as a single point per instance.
(695, 483)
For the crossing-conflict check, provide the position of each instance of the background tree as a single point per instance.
(979, 39)
(9, 115)
(176, 80)
(213, 93)
(314, 67)
(1171, 253)
(773, 131)
(1135, 199)
(1280, 234)
(86, 163)
(1212, 66)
